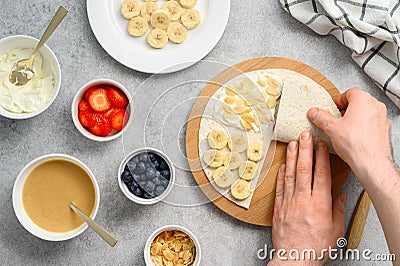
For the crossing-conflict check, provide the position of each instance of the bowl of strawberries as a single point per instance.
(102, 109)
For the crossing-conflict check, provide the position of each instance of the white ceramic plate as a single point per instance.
(110, 29)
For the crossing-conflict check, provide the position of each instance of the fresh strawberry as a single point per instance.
(95, 130)
(117, 98)
(98, 100)
(84, 106)
(110, 114)
(89, 91)
(103, 123)
(86, 119)
(118, 120)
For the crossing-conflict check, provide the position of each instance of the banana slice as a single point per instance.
(240, 189)
(191, 18)
(247, 170)
(188, 3)
(237, 142)
(233, 161)
(137, 26)
(271, 102)
(223, 177)
(254, 151)
(160, 19)
(176, 32)
(246, 124)
(130, 8)
(147, 9)
(174, 10)
(217, 139)
(157, 38)
(213, 158)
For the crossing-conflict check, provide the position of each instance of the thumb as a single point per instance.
(338, 209)
(322, 119)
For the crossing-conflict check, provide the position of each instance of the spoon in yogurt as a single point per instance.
(22, 71)
(103, 233)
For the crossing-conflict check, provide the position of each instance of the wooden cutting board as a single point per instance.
(262, 204)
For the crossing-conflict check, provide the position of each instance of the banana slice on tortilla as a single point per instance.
(174, 10)
(138, 26)
(213, 158)
(237, 142)
(254, 151)
(188, 3)
(160, 19)
(157, 38)
(217, 139)
(247, 170)
(191, 18)
(233, 161)
(147, 9)
(271, 102)
(130, 8)
(240, 189)
(223, 177)
(177, 33)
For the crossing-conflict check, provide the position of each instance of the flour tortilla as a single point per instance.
(299, 94)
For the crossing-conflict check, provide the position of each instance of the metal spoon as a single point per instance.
(108, 237)
(22, 71)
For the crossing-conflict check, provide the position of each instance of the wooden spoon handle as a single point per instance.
(358, 221)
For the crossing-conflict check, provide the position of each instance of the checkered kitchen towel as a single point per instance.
(370, 28)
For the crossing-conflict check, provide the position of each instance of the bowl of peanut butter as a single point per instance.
(42, 193)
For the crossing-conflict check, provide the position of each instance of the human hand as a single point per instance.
(362, 136)
(304, 215)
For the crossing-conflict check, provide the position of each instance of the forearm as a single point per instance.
(381, 180)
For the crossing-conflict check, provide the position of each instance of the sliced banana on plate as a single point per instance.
(254, 151)
(177, 33)
(174, 9)
(157, 38)
(233, 161)
(160, 19)
(237, 142)
(214, 158)
(138, 26)
(188, 3)
(240, 189)
(223, 177)
(147, 9)
(217, 139)
(130, 8)
(191, 18)
(247, 170)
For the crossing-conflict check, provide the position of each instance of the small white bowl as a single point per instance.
(147, 254)
(137, 199)
(50, 64)
(23, 217)
(80, 94)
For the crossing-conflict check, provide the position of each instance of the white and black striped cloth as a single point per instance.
(370, 28)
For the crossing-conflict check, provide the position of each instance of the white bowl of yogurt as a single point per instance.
(37, 95)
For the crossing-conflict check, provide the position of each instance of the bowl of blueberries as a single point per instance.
(146, 176)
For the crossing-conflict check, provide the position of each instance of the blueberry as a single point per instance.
(133, 185)
(126, 176)
(159, 190)
(143, 157)
(156, 164)
(163, 165)
(141, 167)
(149, 187)
(165, 174)
(135, 159)
(142, 184)
(157, 181)
(138, 192)
(164, 182)
(152, 156)
(147, 195)
(150, 173)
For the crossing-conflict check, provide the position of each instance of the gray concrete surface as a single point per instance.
(253, 30)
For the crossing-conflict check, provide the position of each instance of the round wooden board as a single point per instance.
(262, 203)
